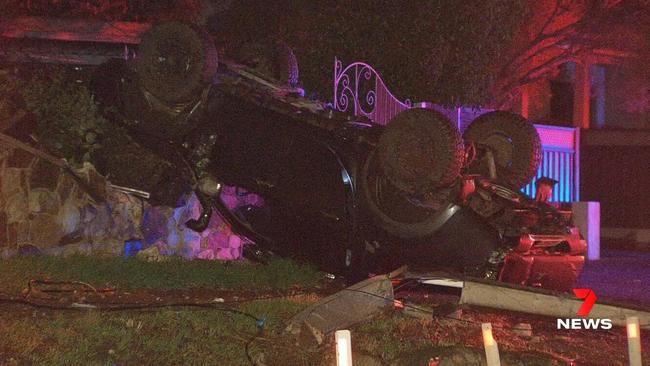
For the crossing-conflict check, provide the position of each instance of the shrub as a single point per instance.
(68, 118)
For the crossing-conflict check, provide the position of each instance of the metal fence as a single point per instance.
(359, 90)
(560, 161)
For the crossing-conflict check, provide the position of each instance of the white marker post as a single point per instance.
(634, 341)
(586, 215)
(491, 348)
(343, 348)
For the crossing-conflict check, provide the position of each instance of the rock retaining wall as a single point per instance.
(42, 207)
(46, 211)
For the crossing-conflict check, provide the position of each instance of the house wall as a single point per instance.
(615, 170)
(615, 131)
(539, 100)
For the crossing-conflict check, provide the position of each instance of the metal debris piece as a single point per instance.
(441, 281)
(151, 254)
(523, 330)
(353, 305)
(131, 191)
(418, 311)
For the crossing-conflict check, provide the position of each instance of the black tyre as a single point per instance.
(400, 213)
(146, 113)
(514, 142)
(421, 150)
(271, 58)
(175, 61)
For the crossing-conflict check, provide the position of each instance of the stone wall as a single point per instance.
(46, 210)
(164, 227)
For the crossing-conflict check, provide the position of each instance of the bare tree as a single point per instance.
(566, 31)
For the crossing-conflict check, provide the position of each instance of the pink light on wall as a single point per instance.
(557, 137)
(560, 161)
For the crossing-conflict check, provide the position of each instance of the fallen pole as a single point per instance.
(543, 302)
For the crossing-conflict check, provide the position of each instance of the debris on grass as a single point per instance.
(151, 254)
(355, 304)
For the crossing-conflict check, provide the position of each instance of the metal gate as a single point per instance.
(359, 90)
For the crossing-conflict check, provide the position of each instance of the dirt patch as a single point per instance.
(519, 335)
(65, 295)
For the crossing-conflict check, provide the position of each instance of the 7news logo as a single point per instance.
(589, 298)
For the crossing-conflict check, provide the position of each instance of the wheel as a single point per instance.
(515, 143)
(146, 113)
(421, 150)
(400, 213)
(272, 58)
(175, 61)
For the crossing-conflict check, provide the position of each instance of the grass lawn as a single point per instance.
(182, 335)
(176, 274)
(165, 337)
(168, 336)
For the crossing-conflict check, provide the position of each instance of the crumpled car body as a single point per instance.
(307, 162)
(348, 195)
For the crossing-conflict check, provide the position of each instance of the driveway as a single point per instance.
(622, 276)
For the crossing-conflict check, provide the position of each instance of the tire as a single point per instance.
(271, 58)
(175, 61)
(395, 211)
(162, 119)
(421, 150)
(516, 145)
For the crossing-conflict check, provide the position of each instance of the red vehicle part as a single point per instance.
(573, 244)
(550, 271)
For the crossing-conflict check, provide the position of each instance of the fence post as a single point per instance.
(586, 215)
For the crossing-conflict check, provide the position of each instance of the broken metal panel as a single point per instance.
(444, 282)
(353, 305)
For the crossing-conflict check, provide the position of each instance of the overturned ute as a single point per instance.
(344, 193)
(339, 190)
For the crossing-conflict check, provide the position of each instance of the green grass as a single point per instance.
(129, 273)
(208, 336)
(168, 337)
(392, 336)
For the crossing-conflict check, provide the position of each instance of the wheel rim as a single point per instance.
(174, 60)
(502, 147)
